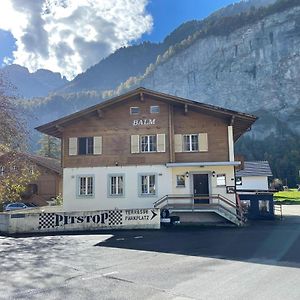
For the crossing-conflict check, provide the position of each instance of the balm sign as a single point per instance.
(141, 122)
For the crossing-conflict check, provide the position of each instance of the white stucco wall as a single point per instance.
(254, 182)
(166, 184)
(213, 188)
(101, 200)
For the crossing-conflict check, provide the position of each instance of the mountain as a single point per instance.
(116, 68)
(133, 60)
(241, 7)
(30, 85)
(246, 58)
(249, 62)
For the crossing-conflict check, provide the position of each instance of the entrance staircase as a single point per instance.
(218, 204)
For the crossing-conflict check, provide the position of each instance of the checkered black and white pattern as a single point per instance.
(46, 221)
(115, 217)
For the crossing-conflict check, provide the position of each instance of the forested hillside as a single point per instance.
(245, 57)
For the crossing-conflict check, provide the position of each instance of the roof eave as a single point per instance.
(52, 128)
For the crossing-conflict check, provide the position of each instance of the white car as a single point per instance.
(17, 205)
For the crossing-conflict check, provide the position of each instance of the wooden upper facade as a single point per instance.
(146, 127)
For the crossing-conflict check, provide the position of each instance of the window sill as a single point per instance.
(85, 155)
(85, 196)
(149, 152)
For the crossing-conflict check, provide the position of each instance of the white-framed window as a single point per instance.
(238, 180)
(85, 186)
(85, 145)
(1, 171)
(154, 109)
(180, 180)
(135, 110)
(190, 142)
(148, 143)
(148, 185)
(116, 185)
(221, 179)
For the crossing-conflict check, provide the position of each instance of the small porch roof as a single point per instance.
(203, 164)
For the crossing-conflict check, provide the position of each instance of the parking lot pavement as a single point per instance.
(256, 262)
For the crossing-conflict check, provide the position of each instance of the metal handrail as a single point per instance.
(221, 199)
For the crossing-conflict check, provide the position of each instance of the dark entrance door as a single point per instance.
(201, 188)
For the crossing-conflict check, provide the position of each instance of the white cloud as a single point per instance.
(68, 36)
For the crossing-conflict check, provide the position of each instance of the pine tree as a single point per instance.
(50, 146)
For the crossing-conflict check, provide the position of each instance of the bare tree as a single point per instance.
(15, 169)
(12, 124)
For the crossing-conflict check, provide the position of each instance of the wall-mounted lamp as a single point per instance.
(187, 174)
(213, 173)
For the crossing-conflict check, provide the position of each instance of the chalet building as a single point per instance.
(46, 186)
(147, 149)
(254, 175)
(252, 186)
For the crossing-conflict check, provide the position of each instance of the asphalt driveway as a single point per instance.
(256, 262)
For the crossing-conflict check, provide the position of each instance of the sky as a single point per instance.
(69, 36)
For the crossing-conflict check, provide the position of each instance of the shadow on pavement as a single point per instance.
(272, 243)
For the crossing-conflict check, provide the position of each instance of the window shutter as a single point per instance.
(135, 144)
(178, 142)
(203, 144)
(97, 144)
(73, 146)
(161, 142)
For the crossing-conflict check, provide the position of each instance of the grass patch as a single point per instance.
(291, 196)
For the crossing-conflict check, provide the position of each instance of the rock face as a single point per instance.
(253, 69)
(29, 85)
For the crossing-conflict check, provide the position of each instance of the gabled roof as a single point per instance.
(241, 121)
(51, 164)
(255, 168)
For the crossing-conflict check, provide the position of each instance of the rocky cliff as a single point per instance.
(249, 61)
(254, 69)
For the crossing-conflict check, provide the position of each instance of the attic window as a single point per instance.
(154, 109)
(135, 110)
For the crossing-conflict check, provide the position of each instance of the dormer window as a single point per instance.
(154, 109)
(135, 110)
